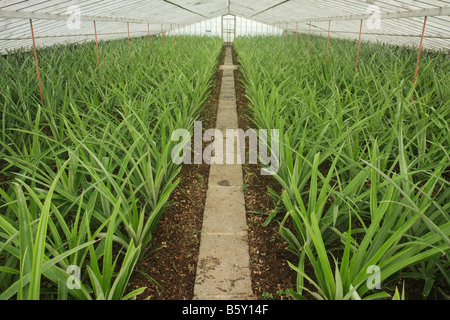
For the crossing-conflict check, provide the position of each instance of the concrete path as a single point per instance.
(223, 271)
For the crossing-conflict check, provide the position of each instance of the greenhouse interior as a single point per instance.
(225, 150)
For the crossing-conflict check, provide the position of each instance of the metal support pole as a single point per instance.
(129, 41)
(36, 60)
(235, 28)
(418, 58)
(359, 45)
(328, 41)
(148, 26)
(98, 52)
(309, 38)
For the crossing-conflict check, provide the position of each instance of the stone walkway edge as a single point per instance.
(223, 270)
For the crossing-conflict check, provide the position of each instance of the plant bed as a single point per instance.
(270, 272)
(93, 167)
(323, 184)
(168, 270)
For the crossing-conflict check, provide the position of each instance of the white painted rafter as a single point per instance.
(10, 14)
(432, 12)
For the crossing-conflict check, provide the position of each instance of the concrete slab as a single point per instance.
(227, 82)
(227, 122)
(227, 90)
(229, 219)
(227, 67)
(227, 107)
(227, 75)
(227, 97)
(225, 152)
(226, 269)
(228, 85)
(227, 114)
(223, 271)
(225, 175)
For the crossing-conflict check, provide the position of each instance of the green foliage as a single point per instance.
(88, 174)
(364, 170)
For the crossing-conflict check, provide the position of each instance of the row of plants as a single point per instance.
(85, 177)
(363, 167)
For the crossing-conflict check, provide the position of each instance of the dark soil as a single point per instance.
(3, 176)
(168, 271)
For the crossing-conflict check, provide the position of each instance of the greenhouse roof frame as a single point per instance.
(432, 12)
(401, 19)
